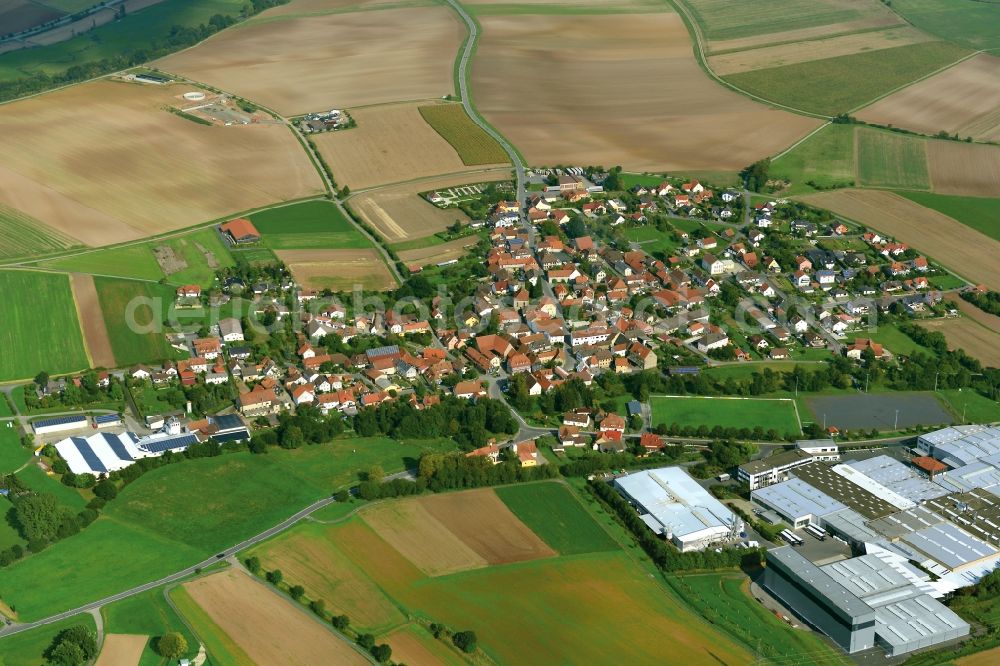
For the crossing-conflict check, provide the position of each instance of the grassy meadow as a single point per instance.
(727, 413)
(12, 454)
(147, 614)
(131, 347)
(826, 159)
(203, 252)
(469, 140)
(40, 329)
(971, 23)
(886, 159)
(26, 648)
(308, 225)
(132, 261)
(554, 514)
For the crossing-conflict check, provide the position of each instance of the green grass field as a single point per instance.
(308, 225)
(39, 329)
(975, 408)
(12, 454)
(195, 249)
(652, 239)
(826, 158)
(894, 339)
(981, 214)
(36, 479)
(886, 159)
(947, 281)
(5, 408)
(832, 85)
(147, 614)
(469, 140)
(134, 261)
(553, 513)
(25, 649)
(256, 255)
(175, 516)
(969, 22)
(223, 649)
(22, 236)
(129, 346)
(760, 17)
(727, 413)
(723, 599)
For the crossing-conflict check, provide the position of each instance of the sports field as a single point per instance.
(553, 513)
(178, 515)
(297, 64)
(727, 413)
(126, 168)
(23, 236)
(338, 270)
(979, 213)
(963, 100)
(308, 225)
(133, 316)
(881, 411)
(830, 85)
(568, 121)
(268, 628)
(961, 248)
(40, 329)
(473, 144)
(891, 160)
(969, 406)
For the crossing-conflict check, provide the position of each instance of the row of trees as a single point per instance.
(987, 302)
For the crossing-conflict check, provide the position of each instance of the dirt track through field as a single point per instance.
(960, 248)
(95, 333)
(297, 65)
(618, 90)
(962, 99)
(122, 650)
(268, 627)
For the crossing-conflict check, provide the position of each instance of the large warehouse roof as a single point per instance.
(898, 477)
(100, 453)
(961, 445)
(949, 546)
(676, 502)
(795, 499)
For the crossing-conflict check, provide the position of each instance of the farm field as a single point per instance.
(979, 213)
(269, 628)
(826, 158)
(965, 169)
(952, 243)
(133, 261)
(442, 534)
(974, 338)
(963, 100)
(891, 160)
(26, 648)
(308, 225)
(435, 254)
(338, 270)
(131, 346)
(711, 128)
(392, 143)
(210, 502)
(830, 85)
(400, 214)
(196, 257)
(217, 643)
(127, 168)
(150, 615)
(727, 413)
(121, 649)
(34, 338)
(552, 512)
(473, 144)
(88, 309)
(413, 644)
(966, 22)
(19, 15)
(290, 67)
(22, 236)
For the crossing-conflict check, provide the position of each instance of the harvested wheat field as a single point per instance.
(444, 534)
(957, 246)
(964, 99)
(831, 47)
(619, 90)
(338, 270)
(413, 645)
(399, 213)
(969, 335)
(299, 64)
(435, 254)
(268, 627)
(391, 144)
(964, 168)
(103, 162)
(95, 333)
(122, 650)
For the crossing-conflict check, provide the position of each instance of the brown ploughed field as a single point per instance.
(95, 333)
(969, 335)
(618, 90)
(122, 650)
(964, 168)
(338, 270)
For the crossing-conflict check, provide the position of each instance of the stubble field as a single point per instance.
(338, 270)
(969, 335)
(400, 214)
(268, 627)
(311, 63)
(964, 168)
(675, 118)
(122, 650)
(103, 163)
(391, 144)
(961, 248)
(964, 99)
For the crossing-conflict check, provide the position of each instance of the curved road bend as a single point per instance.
(94, 605)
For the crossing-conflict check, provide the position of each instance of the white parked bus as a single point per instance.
(816, 531)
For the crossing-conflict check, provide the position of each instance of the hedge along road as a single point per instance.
(263, 536)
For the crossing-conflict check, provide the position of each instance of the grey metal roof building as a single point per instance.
(898, 477)
(949, 546)
(961, 445)
(861, 602)
(797, 502)
(977, 474)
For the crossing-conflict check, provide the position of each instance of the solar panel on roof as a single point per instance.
(231, 436)
(107, 418)
(93, 461)
(117, 446)
(161, 445)
(59, 420)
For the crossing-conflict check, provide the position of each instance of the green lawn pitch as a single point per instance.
(726, 413)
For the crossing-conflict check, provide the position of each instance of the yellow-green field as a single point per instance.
(473, 145)
(891, 160)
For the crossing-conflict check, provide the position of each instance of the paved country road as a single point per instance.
(266, 534)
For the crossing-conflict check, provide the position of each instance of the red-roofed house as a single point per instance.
(240, 231)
